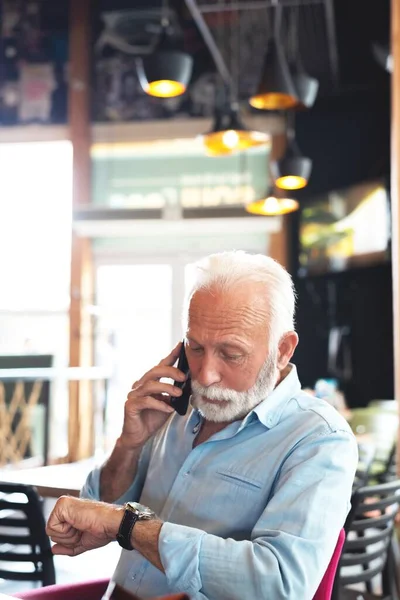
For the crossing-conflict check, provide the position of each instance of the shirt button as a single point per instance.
(133, 577)
(196, 428)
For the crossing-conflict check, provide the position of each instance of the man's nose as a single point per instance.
(209, 373)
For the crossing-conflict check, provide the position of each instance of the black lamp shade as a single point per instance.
(291, 172)
(276, 90)
(165, 73)
(383, 56)
(307, 88)
(229, 134)
(226, 119)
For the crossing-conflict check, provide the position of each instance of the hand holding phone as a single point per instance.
(181, 403)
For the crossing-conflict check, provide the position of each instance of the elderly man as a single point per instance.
(245, 495)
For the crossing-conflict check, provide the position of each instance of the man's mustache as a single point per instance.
(212, 392)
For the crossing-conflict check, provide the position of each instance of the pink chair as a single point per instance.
(89, 590)
(324, 591)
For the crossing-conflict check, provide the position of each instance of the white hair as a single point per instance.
(228, 270)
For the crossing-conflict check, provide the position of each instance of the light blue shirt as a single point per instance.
(253, 512)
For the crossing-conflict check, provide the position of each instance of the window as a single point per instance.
(35, 222)
(133, 328)
(35, 238)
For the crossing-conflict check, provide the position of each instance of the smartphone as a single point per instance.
(181, 403)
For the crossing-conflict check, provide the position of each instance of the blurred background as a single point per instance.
(137, 137)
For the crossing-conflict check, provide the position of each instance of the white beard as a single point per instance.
(233, 405)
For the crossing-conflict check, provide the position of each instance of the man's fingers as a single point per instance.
(59, 549)
(166, 371)
(172, 356)
(70, 538)
(163, 369)
(151, 388)
(149, 403)
(155, 374)
(57, 527)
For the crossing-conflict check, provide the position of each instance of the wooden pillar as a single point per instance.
(395, 198)
(80, 426)
(279, 242)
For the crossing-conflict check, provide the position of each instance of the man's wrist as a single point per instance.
(144, 531)
(145, 537)
(124, 444)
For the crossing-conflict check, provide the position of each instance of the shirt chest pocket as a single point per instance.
(240, 480)
(241, 498)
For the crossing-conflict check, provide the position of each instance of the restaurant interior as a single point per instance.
(270, 126)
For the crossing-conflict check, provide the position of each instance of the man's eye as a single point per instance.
(196, 350)
(231, 356)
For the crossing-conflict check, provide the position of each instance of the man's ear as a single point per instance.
(286, 348)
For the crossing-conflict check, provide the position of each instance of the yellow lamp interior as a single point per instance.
(291, 182)
(219, 143)
(273, 101)
(165, 88)
(272, 206)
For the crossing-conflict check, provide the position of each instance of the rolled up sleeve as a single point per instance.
(292, 542)
(179, 548)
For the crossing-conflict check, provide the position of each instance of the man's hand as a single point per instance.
(147, 407)
(77, 525)
(146, 410)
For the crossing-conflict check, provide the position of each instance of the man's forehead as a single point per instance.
(244, 299)
(229, 316)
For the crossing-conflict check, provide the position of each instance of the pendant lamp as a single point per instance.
(229, 134)
(293, 170)
(272, 205)
(166, 72)
(383, 56)
(276, 89)
(306, 87)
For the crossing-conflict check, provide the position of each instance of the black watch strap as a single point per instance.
(125, 529)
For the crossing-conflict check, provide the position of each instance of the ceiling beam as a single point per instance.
(254, 5)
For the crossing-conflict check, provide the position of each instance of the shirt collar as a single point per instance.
(269, 410)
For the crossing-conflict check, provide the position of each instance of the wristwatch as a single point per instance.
(133, 512)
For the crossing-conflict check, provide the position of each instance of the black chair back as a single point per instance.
(25, 549)
(388, 471)
(366, 458)
(369, 530)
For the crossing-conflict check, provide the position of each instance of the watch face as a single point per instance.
(143, 512)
